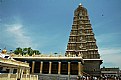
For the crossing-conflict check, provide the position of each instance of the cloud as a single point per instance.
(111, 56)
(19, 34)
(110, 49)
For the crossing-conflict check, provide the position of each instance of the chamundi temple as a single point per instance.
(82, 42)
(81, 58)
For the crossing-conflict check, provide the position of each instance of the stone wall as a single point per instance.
(92, 68)
(56, 77)
(14, 77)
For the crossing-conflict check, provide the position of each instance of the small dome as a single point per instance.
(4, 51)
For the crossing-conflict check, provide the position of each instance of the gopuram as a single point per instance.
(82, 42)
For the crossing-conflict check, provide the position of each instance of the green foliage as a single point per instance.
(24, 51)
(18, 50)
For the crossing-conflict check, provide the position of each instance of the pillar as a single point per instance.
(50, 65)
(41, 66)
(33, 64)
(21, 72)
(11, 70)
(59, 67)
(68, 68)
(18, 72)
(80, 68)
(27, 71)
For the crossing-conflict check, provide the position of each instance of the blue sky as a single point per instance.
(45, 25)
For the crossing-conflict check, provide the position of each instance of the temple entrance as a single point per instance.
(74, 68)
(37, 67)
(45, 69)
(54, 68)
(64, 68)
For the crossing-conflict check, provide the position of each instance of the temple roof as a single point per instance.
(62, 59)
(12, 63)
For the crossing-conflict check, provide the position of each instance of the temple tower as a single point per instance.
(82, 41)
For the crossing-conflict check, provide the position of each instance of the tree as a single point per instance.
(25, 51)
(18, 51)
(30, 51)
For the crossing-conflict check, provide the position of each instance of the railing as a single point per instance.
(14, 77)
(41, 55)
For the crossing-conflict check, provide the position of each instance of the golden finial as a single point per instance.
(4, 51)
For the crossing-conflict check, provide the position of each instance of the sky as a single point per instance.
(45, 25)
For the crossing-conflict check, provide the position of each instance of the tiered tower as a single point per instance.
(82, 41)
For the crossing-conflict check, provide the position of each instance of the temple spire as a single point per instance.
(82, 38)
(80, 4)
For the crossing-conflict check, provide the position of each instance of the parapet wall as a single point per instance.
(14, 77)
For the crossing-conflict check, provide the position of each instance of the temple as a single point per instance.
(82, 42)
(53, 65)
(81, 58)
